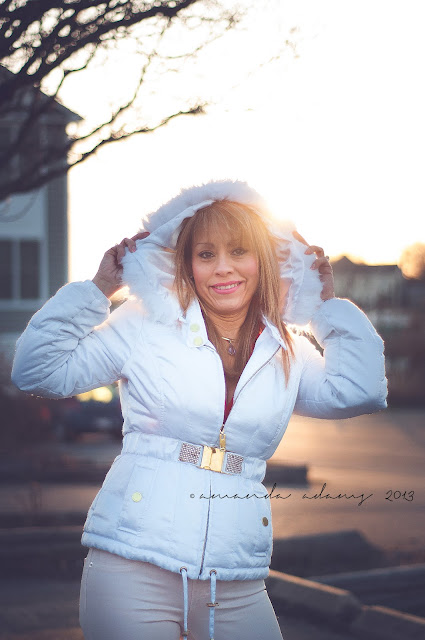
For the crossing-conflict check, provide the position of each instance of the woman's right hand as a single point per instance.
(108, 276)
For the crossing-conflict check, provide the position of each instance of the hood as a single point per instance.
(149, 271)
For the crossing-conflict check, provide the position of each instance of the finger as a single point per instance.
(132, 241)
(141, 235)
(314, 248)
(119, 254)
(129, 242)
(324, 276)
(321, 262)
(121, 247)
(299, 237)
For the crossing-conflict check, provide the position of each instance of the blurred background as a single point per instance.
(107, 111)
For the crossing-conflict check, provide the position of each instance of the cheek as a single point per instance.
(199, 272)
(251, 271)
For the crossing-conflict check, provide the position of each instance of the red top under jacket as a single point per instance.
(229, 405)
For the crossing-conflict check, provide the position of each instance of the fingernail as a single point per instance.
(313, 266)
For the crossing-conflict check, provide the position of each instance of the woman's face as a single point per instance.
(225, 272)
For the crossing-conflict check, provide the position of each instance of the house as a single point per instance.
(33, 230)
(381, 291)
(396, 307)
(369, 286)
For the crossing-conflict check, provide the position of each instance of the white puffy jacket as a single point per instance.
(157, 504)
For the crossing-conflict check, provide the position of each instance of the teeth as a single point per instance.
(227, 286)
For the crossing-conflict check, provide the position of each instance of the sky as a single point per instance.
(331, 133)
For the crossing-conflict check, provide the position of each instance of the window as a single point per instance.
(30, 152)
(5, 269)
(19, 269)
(29, 269)
(18, 165)
(7, 166)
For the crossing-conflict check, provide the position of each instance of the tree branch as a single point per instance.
(42, 36)
(30, 181)
(38, 108)
(84, 35)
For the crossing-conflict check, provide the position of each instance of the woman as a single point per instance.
(209, 374)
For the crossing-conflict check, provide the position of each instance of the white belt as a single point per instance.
(211, 458)
(201, 456)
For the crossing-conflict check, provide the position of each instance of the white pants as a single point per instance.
(124, 599)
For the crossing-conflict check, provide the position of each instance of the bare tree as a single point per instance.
(412, 261)
(43, 42)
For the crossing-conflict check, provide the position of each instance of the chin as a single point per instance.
(230, 306)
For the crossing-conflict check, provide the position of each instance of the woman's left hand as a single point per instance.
(323, 265)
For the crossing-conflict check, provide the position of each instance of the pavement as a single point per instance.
(40, 582)
(337, 583)
(53, 614)
(35, 609)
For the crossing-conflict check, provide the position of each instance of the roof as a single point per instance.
(65, 114)
(345, 264)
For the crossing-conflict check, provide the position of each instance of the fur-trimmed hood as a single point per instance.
(149, 271)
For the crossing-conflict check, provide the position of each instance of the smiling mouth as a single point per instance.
(226, 287)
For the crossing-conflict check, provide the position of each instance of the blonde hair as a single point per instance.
(243, 223)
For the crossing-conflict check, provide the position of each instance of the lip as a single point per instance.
(225, 284)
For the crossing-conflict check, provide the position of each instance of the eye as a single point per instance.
(205, 255)
(239, 251)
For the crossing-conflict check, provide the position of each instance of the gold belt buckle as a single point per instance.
(212, 458)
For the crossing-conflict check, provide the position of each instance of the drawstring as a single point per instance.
(183, 571)
(212, 604)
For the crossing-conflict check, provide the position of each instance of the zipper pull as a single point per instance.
(222, 439)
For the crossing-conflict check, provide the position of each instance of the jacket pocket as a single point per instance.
(264, 541)
(137, 496)
(100, 501)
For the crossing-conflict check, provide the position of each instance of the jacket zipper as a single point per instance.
(222, 439)
(206, 529)
(209, 499)
(222, 435)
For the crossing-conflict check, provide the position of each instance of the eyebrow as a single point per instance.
(211, 244)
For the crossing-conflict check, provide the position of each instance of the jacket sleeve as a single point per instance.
(349, 379)
(73, 343)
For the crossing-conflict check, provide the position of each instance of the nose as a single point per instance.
(224, 263)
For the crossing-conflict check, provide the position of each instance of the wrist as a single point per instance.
(105, 287)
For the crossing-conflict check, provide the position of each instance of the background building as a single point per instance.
(396, 307)
(33, 232)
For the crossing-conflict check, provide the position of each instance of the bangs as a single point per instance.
(228, 218)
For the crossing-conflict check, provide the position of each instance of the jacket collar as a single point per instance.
(196, 336)
(193, 326)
